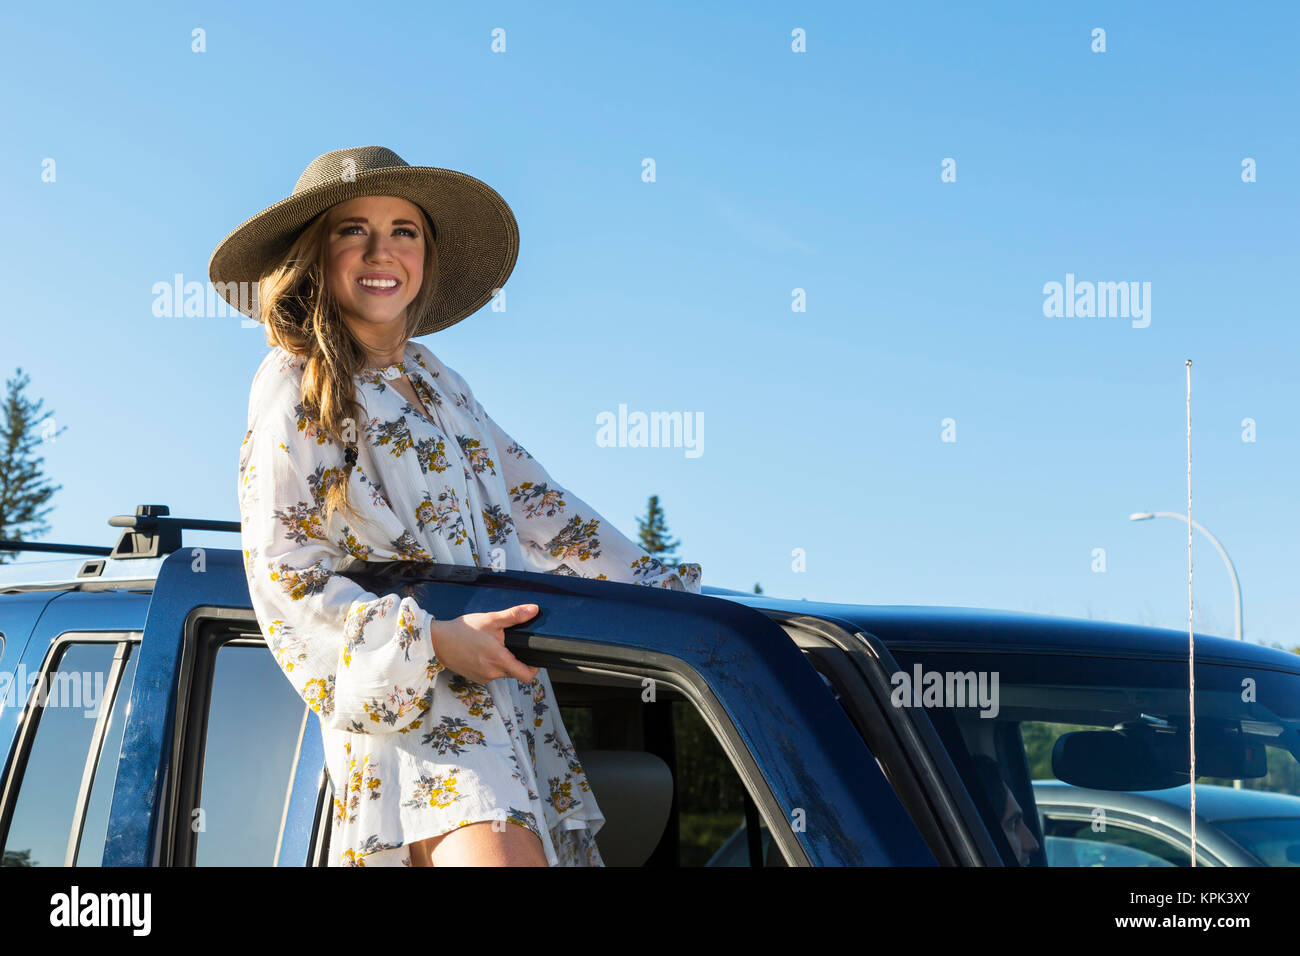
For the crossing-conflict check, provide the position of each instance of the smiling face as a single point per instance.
(374, 257)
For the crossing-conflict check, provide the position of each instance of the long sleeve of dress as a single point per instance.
(559, 532)
(363, 663)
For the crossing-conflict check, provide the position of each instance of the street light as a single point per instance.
(1236, 585)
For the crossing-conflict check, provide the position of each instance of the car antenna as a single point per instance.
(1191, 636)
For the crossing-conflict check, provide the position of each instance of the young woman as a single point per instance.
(442, 747)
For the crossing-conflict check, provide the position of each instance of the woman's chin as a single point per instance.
(377, 314)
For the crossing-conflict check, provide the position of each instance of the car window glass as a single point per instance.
(1112, 724)
(1107, 842)
(94, 835)
(1275, 841)
(1080, 851)
(51, 780)
(249, 748)
(710, 796)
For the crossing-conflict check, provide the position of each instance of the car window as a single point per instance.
(710, 796)
(250, 733)
(1109, 724)
(94, 835)
(70, 740)
(1275, 841)
(1070, 851)
(1085, 843)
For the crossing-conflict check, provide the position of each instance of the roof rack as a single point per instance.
(51, 546)
(149, 533)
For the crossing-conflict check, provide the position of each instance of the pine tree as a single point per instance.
(758, 588)
(654, 534)
(23, 489)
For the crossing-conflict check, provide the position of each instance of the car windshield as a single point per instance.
(1082, 761)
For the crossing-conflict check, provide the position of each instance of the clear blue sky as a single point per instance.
(775, 171)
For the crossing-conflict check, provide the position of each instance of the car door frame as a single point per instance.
(924, 776)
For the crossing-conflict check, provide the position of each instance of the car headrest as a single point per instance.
(634, 790)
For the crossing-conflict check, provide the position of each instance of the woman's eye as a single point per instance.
(406, 229)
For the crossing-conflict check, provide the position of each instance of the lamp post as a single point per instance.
(1236, 585)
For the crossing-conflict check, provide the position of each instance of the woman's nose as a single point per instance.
(378, 246)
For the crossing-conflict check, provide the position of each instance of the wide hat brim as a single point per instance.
(475, 231)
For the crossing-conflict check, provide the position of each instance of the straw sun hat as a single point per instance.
(474, 230)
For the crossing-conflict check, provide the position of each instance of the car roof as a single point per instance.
(1214, 803)
(914, 626)
(988, 629)
(64, 572)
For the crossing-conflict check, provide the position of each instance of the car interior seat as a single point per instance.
(634, 790)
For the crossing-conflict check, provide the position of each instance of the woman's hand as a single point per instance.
(474, 645)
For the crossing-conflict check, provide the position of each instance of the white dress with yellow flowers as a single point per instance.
(412, 749)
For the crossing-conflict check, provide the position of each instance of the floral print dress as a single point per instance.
(414, 750)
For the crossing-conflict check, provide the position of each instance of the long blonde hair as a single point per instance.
(302, 317)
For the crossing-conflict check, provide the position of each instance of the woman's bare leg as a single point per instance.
(479, 845)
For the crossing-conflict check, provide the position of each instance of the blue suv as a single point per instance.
(144, 722)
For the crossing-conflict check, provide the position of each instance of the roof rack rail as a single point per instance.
(6, 545)
(149, 533)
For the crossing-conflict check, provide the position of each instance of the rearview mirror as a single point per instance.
(1143, 756)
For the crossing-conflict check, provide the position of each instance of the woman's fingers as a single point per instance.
(516, 614)
(500, 620)
(512, 665)
(484, 643)
(517, 669)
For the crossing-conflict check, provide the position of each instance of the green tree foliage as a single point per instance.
(711, 798)
(23, 487)
(654, 534)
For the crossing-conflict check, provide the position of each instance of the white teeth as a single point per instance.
(379, 283)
